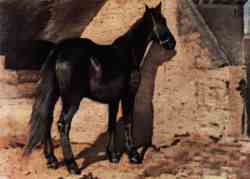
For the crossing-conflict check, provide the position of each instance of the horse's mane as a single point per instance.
(132, 30)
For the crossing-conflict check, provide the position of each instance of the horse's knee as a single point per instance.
(61, 127)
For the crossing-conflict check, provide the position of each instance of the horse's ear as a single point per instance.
(158, 7)
(147, 8)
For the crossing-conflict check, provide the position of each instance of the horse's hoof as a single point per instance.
(74, 170)
(52, 163)
(113, 157)
(134, 158)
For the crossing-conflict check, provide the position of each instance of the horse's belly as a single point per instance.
(106, 92)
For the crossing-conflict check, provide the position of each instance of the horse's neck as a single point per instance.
(135, 43)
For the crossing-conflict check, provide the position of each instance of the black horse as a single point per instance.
(78, 68)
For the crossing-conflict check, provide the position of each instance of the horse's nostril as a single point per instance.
(171, 45)
(174, 44)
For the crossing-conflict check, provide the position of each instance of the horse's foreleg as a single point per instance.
(111, 147)
(64, 125)
(128, 112)
(128, 106)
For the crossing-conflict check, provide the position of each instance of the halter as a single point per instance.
(150, 43)
(156, 32)
(145, 53)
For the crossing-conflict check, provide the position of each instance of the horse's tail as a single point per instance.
(63, 75)
(40, 50)
(42, 111)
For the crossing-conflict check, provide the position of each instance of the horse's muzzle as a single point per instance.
(169, 44)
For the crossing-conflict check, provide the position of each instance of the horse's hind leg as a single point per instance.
(111, 147)
(48, 149)
(48, 145)
(64, 124)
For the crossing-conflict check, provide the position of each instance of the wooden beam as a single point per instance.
(231, 2)
(212, 1)
(246, 120)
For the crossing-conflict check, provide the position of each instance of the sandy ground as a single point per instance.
(189, 157)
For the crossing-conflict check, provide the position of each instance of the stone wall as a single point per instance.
(190, 94)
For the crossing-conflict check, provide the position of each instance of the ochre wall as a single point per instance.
(189, 95)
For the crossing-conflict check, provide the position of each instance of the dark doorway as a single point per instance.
(22, 21)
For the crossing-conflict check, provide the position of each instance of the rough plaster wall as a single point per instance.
(188, 96)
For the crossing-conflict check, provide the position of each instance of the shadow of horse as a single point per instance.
(96, 152)
(143, 114)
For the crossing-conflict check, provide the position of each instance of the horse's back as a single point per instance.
(74, 48)
(73, 68)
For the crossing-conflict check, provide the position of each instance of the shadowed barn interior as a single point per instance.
(23, 21)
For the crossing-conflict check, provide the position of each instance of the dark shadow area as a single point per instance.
(246, 118)
(96, 152)
(190, 21)
(144, 111)
(143, 127)
(22, 21)
(226, 22)
(220, 25)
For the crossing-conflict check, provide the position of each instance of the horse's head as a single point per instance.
(160, 30)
